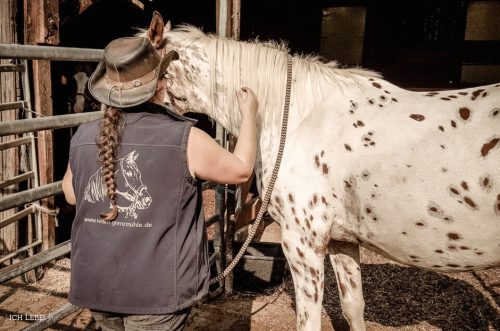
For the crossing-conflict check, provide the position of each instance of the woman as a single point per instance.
(139, 255)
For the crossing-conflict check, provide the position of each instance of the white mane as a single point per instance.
(262, 67)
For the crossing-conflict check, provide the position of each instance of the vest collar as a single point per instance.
(154, 108)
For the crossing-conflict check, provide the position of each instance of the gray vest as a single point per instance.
(153, 259)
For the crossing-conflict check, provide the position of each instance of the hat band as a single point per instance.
(127, 85)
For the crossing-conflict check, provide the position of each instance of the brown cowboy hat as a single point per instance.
(129, 72)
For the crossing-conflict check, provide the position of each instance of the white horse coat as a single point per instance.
(414, 176)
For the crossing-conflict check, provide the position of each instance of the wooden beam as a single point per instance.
(9, 158)
(41, 22)
(42, 27)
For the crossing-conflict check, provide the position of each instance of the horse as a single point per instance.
(82, 100)
(413, 176)
(132, 190)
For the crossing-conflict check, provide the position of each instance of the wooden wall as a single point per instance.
(8, 158)
(42, 28)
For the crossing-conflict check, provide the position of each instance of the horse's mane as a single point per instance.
(262, 66)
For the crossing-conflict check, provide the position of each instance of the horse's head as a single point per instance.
(210, 69)
(134, 186)
(83, 101)
(188, 77)
(81, 79)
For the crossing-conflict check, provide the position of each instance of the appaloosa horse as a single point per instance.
(414, 176)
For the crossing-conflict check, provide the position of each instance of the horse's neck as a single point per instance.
(234, 64)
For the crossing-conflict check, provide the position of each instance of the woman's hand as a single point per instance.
(247, 101)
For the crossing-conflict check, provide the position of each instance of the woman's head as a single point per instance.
(129, 72)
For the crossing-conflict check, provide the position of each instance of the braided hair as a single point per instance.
(107, 142)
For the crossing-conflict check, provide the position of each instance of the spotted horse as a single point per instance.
(414, 176)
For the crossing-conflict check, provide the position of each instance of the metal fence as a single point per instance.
(22, 198)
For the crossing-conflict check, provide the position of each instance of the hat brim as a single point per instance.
(118, 98)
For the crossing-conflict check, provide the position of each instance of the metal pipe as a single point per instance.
(15, 143)
(34, 261)
(35, 52)
(17, 216)
(11, 68)
(52, 318)
(213, 257)
(222, 28)
(47, 123)
(17, 179)
(34, 194)
(12, 105)
(19, 251)
(212, 220)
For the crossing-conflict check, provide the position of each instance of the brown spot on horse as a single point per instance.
(489, 146)
(464, 113)
(417, 117)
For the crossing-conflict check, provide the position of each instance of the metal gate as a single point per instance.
(26, 201)
(29, 165)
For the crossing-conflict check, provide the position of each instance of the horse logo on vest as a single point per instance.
(131, 188)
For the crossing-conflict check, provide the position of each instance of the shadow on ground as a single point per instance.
(399, 296)
(395, 296)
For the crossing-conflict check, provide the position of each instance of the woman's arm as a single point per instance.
(67, 186)
(209, 161)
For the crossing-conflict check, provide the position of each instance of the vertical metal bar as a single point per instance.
(220, 193)
(37, 219)
(219, 231)
(222, 28)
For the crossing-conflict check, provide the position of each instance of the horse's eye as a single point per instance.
(128, 173)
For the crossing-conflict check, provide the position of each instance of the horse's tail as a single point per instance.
(95, 190)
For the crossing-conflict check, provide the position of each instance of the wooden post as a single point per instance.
(9, 159)
(41, 27)
(236, 18)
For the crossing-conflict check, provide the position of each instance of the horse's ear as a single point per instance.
(168, 26)
(155, 31)
(132, 156)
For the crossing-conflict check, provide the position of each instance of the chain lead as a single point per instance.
(274, 175)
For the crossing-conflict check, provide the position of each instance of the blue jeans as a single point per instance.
(123, 322)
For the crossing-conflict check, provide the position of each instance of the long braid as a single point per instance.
(107, 142)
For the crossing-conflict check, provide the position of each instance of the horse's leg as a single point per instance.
(345, 261)
(307, 269)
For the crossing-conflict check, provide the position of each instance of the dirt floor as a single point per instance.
(397, 298)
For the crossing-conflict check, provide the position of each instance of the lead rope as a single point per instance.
(274, 175)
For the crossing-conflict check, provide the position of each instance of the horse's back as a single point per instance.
(416, 175)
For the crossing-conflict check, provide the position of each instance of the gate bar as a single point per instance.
(11, 68)
(52, 318)
(17, 179)
(19, 251)
(35, 52)
(15, 143)
(17, 216)
(12, 105)
(47, 123)
(21, 198)
(34, 261)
